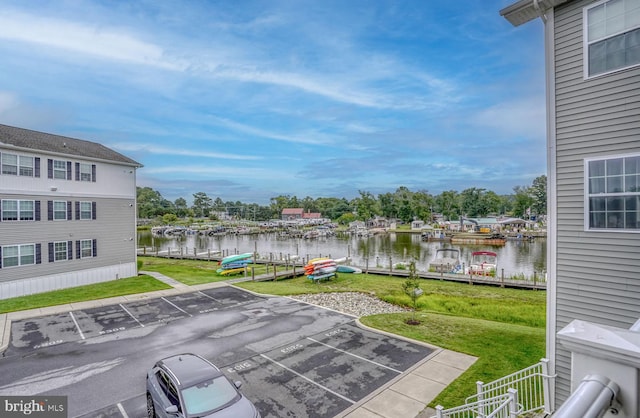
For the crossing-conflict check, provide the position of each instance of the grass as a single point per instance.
(190, 272)
(120, 287)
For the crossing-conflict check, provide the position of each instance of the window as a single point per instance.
(86, 248)
(86, 211)
(613, 193)
(17, 164)
(59, 169)
(22, 210)
(84, 172)
(60, 210)
(18, 255)
(612, 40)
(60, 251)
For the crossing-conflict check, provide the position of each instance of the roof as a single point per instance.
(525, 10)
(292, 211)
(34, 140)
(190, 368)
(311, 215)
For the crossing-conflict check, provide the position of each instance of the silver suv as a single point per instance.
(187, 385)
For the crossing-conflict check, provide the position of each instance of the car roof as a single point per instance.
(189, 369)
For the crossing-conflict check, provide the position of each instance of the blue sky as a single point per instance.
(248, 100)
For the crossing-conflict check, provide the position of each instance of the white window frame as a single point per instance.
(20, 210)
(86, 172)
(57, 211)
(86, 248)
(625, 179)
(22, 255)
(586, 42)
(60, 169)
(58, 251)
(86, 215)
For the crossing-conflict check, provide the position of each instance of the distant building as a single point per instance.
(292, 214)
(67, 212)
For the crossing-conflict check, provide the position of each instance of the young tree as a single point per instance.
(411, 288)
(201, 204)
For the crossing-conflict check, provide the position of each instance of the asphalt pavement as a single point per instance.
(403, 397)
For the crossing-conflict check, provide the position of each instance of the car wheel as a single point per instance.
(151, 411)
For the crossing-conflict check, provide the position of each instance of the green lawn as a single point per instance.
(128, 286)
(191, 272)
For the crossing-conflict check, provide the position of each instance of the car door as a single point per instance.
(167, 395)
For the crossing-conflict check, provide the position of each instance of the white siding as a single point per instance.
(597, 273)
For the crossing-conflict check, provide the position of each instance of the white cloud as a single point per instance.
(107, 43)
(154, 149)
(522, 118)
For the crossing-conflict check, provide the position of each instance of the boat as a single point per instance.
(483, 263)
(235, 257)
(434, 235)
(478, 238)
(229, 272)
(347, 269)
(447, 260)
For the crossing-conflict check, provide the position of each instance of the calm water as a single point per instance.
(515, 257)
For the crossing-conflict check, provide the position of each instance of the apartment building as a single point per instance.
(67, 212)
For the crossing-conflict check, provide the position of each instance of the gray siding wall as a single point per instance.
(113, 229)
(598, 273)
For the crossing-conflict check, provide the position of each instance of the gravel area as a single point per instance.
(352, 303)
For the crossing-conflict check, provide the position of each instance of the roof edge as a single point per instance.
(524, 11)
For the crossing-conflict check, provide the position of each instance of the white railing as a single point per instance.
(532, 386)
(502, 406)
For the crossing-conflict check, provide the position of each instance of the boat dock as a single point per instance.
(284, 266)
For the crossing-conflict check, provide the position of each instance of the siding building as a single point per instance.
(592, 53)
(67, 213)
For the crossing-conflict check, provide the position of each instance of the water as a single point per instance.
(515, 257)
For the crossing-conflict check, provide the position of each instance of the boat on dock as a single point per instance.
(483, 263)
(479, 238)
(447, 260)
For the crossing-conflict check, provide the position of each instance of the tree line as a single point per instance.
(403, 204)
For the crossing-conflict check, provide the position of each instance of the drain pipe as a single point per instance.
(592, 399)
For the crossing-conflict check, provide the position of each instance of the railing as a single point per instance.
(531, 385)
(502, 406)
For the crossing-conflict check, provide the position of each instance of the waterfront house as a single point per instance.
(292, 214)
(67, 212)
(592, 51)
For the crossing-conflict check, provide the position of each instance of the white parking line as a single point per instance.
(210, 297)
(77, 326)
(355, 355)
(308, 380)
(131, 315)
(175, 306)
(122, 411)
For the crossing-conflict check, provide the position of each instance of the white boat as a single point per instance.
(447, 260)
(483, 263)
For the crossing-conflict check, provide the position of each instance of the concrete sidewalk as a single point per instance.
(404, 397)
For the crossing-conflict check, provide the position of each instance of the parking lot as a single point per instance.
(293, 359)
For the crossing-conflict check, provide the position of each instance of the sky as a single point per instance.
(248, 100)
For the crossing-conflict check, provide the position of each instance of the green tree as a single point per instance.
(182, 210)
(201, 204)
(366, 206)
(411, 287)
(422, 203)
(151, 203)
(538, 193)
(522, 201)
(448, 203)
(169, 218)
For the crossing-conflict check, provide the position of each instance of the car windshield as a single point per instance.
(208, 396)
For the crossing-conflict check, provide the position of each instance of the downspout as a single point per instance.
(536, 6)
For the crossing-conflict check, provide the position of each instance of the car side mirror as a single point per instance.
(173, 410)
(237, 383)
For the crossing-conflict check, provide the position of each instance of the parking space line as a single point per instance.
(355, 355)
(210, 297)
(122, 411)
(77, 326)
(131, 315)
(307, 379)
(175, 306)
